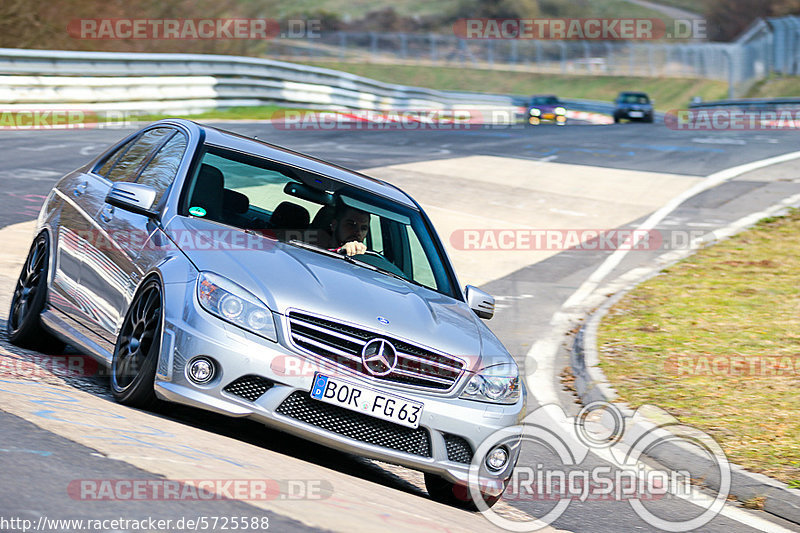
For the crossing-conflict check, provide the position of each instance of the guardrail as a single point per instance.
(189, 83)
(749, 103)
(160, 82)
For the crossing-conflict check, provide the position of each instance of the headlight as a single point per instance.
(535, 112)
(223, 298)
(560, 111)
(496, 384)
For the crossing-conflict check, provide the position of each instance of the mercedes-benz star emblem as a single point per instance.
(379, 357)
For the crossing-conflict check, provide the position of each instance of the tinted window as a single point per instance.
(635, 99)
(545, 100)
(160, 172)
(125, 168)
(103, 170)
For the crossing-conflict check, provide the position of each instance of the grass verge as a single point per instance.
(671, 93)
(715, 341)
(232, 113)
(776, 86)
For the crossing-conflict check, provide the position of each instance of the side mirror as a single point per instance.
(134, 197)
(480, 302)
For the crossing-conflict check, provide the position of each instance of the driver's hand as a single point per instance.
(353, 248)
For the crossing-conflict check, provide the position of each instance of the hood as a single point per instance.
(546, 107)
(286, 277)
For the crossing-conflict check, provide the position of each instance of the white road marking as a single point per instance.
(567, 212)
(42, 148)
(32, 174)
(717, 140)
(543, 352)
(86, 150)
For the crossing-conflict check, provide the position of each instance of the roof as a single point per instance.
(229, 139)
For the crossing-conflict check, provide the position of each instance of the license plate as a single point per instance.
(548, 116)
(636, 114)
(366, 400)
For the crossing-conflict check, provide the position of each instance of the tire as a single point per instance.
(133, 366)
(24, 326)
(454, 494)
(616, 119)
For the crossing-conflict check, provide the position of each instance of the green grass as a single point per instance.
(355, 9)
(672, 93)
(231, 113)
(738, 298)
(694, 6)
(776, 86)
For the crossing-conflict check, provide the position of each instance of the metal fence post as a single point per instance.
(586, 57)
(631, 59)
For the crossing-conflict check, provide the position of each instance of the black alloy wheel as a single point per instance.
(133, 366)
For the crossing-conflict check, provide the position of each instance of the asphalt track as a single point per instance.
(527, 298)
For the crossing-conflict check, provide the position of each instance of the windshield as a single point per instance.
(544, 100)
(278, 201)
(635, 99)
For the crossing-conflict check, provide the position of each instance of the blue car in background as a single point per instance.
(633, 106)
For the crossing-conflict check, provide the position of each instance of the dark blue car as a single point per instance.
(633, 106)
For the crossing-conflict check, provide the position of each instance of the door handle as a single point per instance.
(107, 213)
(80, 188)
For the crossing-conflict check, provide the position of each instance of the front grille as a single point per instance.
(342, 344)
(357, 426)
(249, 387)
(458, 449)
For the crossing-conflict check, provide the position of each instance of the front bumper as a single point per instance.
(635, 114)
(450, 429)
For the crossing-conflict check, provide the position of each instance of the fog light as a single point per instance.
(201, 370)
(497, 458)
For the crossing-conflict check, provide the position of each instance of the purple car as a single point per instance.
(546, 108)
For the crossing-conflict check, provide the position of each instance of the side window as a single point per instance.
(160, 172)
(124, 169)
(103, 170)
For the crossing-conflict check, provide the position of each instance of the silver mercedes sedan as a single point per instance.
(225, 273)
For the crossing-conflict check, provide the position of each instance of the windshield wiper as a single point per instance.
(384, 271)
(313, 248)
(349, 259)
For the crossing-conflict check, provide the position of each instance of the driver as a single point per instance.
(348, 230)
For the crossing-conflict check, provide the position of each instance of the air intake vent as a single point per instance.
(250, 387)
(458, 449)
(357, 426)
